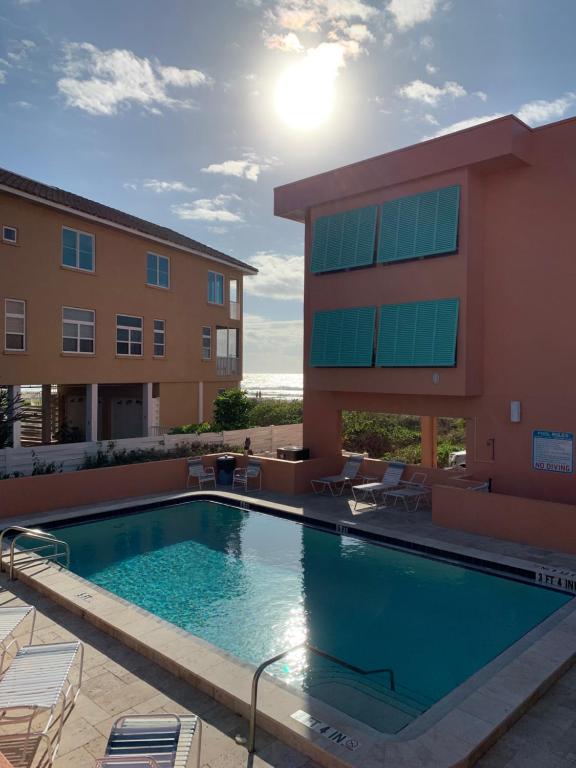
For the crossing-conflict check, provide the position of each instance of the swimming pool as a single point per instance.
(254, 584)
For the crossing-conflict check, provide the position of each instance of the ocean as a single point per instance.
(279, 386)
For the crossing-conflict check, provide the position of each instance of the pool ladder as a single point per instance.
(258, 673)
(53, 550)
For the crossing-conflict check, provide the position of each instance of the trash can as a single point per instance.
(225, 469)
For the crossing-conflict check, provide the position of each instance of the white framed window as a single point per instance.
(233, 298)
(159, 338)
(158, 270)
(10, 235)
(78, 330)
(215, 288)
(129, 339)
(206, 342)
(77, 249)
(15, 325)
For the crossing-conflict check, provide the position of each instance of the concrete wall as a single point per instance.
(514, 274)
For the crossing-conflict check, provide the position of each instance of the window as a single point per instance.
(215, 288)
(15, 325)
(158, 270)
(343, 338)
(227, 362)
(10, 235)
(206, 343)
(78, 326)
(159, 338)
(77, 250)
(234, 303)
(128, 335)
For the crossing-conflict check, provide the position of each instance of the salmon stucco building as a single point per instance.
(129, 327)
(440, 281)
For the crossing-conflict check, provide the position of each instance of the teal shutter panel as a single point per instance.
(343, 338)
(419, 225)
(344, 240)
(419, 334)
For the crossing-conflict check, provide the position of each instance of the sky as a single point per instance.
(189, 113)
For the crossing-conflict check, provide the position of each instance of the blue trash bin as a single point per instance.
(225, 469)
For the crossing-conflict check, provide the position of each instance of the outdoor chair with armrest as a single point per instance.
(11, 617)
(337, 483)
(414, 489)
(201, 474)
(243, 475)
(369, 491)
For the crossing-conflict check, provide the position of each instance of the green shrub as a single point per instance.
(114, 458)
(231, 410)
(264, 413)
(192, 429)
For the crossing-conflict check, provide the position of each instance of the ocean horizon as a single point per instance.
(277, 386)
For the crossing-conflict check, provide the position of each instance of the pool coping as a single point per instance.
(453, 733)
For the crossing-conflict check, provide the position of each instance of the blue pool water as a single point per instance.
(254, 584)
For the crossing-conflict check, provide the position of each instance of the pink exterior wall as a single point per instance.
(514, 274)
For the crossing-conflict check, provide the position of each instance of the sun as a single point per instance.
(304, 96)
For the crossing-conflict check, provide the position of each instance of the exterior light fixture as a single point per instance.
(515, 411)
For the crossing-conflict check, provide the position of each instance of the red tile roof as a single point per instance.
(60, 197)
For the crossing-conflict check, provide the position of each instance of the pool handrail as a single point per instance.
(33, 533)
(251, 746)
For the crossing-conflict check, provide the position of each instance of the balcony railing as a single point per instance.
(234, 310)
(227, 366)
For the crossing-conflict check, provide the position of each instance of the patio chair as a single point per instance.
(336, 483)
(38, 682)
(243, 475)
(414, 489)
(11, 616)
(201, 474)
(390, 480)
(153, 741)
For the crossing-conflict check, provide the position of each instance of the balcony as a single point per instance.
(227, 366)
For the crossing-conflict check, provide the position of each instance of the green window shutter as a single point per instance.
(419, 225)
(419, 334)
(343, 338)
(344, 240)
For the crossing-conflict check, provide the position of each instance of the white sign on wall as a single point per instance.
(553, 451)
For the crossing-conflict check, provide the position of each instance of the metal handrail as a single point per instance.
(318, 652)
(32, 533)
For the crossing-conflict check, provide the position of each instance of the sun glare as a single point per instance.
(304, 95)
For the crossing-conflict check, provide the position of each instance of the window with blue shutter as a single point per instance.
(419, 225)
(419, 334)
(344, 240)
(343, 338)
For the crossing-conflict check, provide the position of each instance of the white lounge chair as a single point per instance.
(336, 483)
(243, 475)
(201, 474)
(414, 489)
(368, 492)
(153, 741)
(11, 616)
(39, 682)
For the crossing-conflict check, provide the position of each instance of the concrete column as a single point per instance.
(13, 394)
(147, 417)
(46, 414)
(200, 402)
(91, 413)
(322, 425)
(429, 440)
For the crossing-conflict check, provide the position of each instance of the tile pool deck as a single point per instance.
(119, 679)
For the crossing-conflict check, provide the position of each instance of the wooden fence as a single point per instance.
(68, 457)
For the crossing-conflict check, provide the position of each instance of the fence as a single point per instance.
(70, 456)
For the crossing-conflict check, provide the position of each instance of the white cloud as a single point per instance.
(431, 69)
(289, 43)
(426, 43)
(430, 119)
(26, 2)
(481, 95)
(408, 13)
(156, 185)
(249, 167)
(213, 209)
(2, 77)
(470, 122)
(541, 111)
(430, 94)
(101, 82)
(311, 15)
(279, 277)
(272, 345)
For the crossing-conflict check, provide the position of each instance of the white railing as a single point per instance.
(227, 366)
(70, 456)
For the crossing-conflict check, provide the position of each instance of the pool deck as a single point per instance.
(119, 679)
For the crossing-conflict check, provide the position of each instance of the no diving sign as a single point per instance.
(553, 451)
(328, 731)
